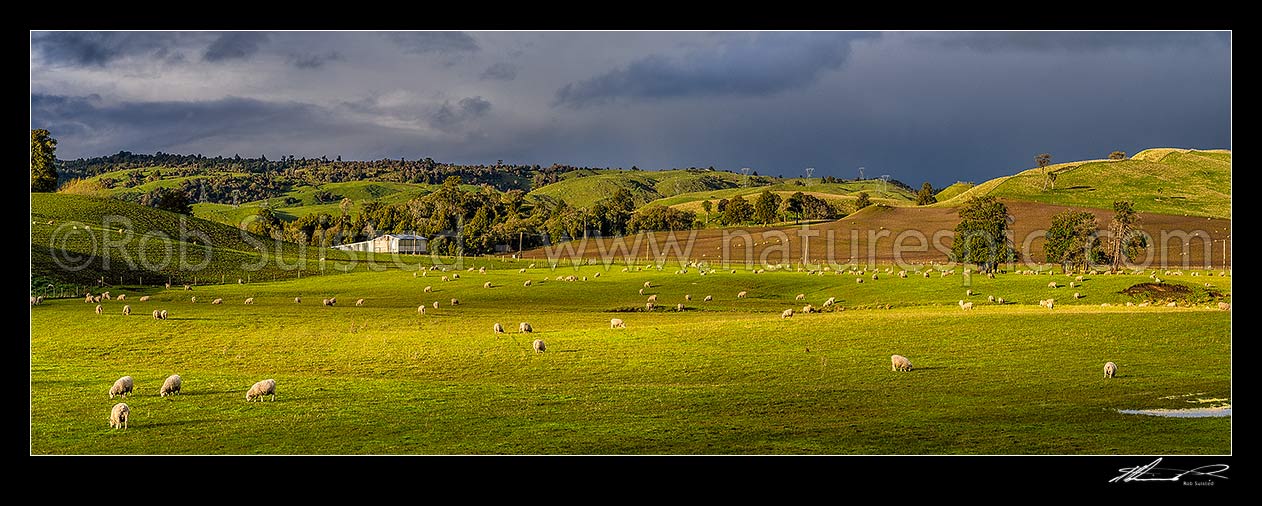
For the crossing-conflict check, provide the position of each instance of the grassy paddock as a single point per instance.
(725, 377)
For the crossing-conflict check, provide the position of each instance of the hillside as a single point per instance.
(952, 191)
(579, 189)
(1166, 180)
(307, 202)
(879, 192)
(78, 239)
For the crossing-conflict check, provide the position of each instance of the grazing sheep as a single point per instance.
(525, 327)
(1077, 295)
(1078, 279)
(444, 278)
(119, 415)
(1051, 284)
(297, 300)
(800, 296)
(999, 301)
(708, 298)
(122, 387)
(966, 305)
(1172, 304)
(968, 293)
(990, 275)
(808, 309)
(499, 329)
(486, 285)
(455, 276)
(527, 283)
(170, 386)
(648, 284)
(679, 307)
(902, 274)
(260, 389)
(522, 271)
(328, 302)
(788, 313)
(435, 304)
(144, 298)
(193, 299)
(617, 323)
(1143, 304)
(99, 309)
(858, 281)
(641, 291)
(1129, 304)
(1110, 369)
(188, 288)
(121, 296)
(539, 346)
(899, 363)
(688, 297)
(874, 276)
(1223, 306)
(1073, 284)
(420, 309)
(157, 315)
(652, 298)
(1105, 304)
(216, 302)
(359, 303)
(597, 275)
(429, 289)
(926, 274)
(830, 301)
(96, 299)
(126, 310)
(455, 302)
(990, 298)
(163, 314)
(250, 301)
(742, 295)
(105, 296)
(648, 306)
(1051, 303)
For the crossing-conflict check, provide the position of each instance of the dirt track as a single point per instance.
(923, 235)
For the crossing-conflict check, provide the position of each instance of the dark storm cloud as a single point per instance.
(235, 46)
(433, 42)
(500, 72)
(100, 48)
(1072, 41)
(448, 117)
(763, 64)
(312, 60)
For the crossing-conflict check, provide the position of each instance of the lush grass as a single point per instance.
(953, 190)
(725, 377)
(832, 192)
(1166, 181)
(585, 188)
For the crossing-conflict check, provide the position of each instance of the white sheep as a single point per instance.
(1172, 304)
(297, 300)
(617, 323)
(800, 296)
(99, 309)
(1073, 284)
(499, 329)
(688, 297)
(429, 289)
(788, 313)
(121, 296)
(455, 302)
(444, 278)
(144, 298)
(193, 299)
(1051, 284)
(1077, 295)
(435, 304)
(260, 389)
(249, 300)
(157, 315)
(968, 293)
(708, 298)
(122, 386)
(902, 274)
(420, 309)
(808, 309)
(163, 314)
(455, 276)
(1078, 279)
(648, 306)
(641, 291)
(170, 386)
(648, 284)
(119, 415)
(216, 302)
(966, 305)
(990, 298)
(525, 327)
(830, 301)
(127, 310)
(999, 301)
(874, 276)
(330, 302)
(652, 298)
(899, 363)
(858, 281)
(359, 303)
(742, 295)
(522, 271)
(539, 346)
(1110, 369)
(679, 307)
(527, 283)
(1223, 306)
(597, 274)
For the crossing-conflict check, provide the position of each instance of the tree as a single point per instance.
(169, 199)
(1125, 238)
(862, 202)
(658, 217)
(926, 195)
(981, 236)
(737, 211)
(706, 206)
(1117, 155)
(43, 161)
(795, 204)
(1042, 160)
(1073, 240)
(765, 207)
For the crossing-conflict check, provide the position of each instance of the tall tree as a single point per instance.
(1073, 240)
(795, 204)
(737, 211)
(981, 236)
(1125, 237)
(765, 207)
(1042, 160)
(43, 161)
(707, 206)
(925, 195)
(862, 201)
(1117, 155)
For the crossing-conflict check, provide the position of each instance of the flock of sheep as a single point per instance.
(171, 386)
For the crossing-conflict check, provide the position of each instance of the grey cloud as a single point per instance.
(234, 46)
(500, 72)
(433, 42)
(312, 60)
(100, 48)
(764, 64)
(1070, 41)
(447, 117)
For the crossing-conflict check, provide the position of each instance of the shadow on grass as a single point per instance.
(174, 423)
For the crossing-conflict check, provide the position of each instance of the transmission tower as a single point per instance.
(745, 171)
(885, 179)
(809, 170)
(860, 173)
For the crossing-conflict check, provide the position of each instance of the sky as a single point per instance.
(917, 106)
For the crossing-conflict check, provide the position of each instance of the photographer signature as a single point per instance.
(1154, 473)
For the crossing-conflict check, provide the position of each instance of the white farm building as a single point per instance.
(389, 243)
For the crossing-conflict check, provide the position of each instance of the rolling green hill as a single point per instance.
(833, 192)
(951, 191)
(1165, 180)
(584, 188)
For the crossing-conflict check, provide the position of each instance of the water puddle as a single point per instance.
(1181, 413)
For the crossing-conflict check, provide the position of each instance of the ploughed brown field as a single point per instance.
(869, 236)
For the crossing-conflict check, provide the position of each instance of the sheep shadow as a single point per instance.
(174, 423)
(930, 368)
(568, 351)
